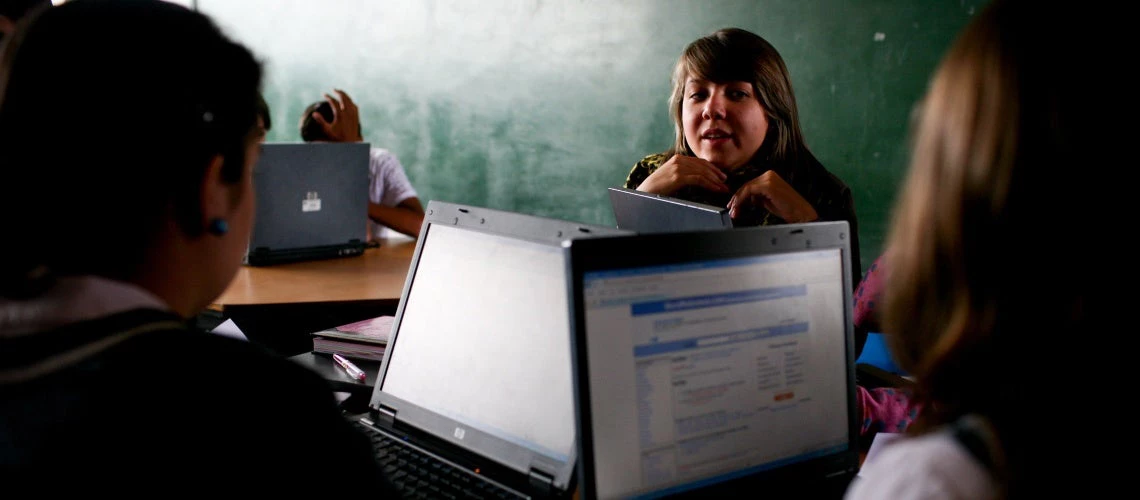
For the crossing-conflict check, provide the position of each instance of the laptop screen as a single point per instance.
(484, 338)
(709, 370)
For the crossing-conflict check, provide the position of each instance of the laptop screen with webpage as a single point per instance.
(708, 369)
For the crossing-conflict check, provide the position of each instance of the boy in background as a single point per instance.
(392, 201)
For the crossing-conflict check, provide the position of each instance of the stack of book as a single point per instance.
(360, 340)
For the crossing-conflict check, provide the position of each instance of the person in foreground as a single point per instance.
(392, 201)
(102, 383)
(737, 141)
(994, 334)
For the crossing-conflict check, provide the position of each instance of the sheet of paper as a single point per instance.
(229, 329)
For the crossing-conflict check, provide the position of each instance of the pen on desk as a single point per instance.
(353, 371)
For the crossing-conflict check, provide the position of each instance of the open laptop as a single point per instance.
(715, 362)
(654, 213)
(475, 381)
(312, 202)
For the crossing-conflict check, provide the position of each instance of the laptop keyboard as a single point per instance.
(418, 475)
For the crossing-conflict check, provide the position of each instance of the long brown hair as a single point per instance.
(733, 54)
(974, 312)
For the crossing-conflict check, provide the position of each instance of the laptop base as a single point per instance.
(266, 257)
(414, 464)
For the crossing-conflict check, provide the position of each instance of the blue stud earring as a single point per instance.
(218, 226)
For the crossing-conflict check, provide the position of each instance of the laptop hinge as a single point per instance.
(386, 414)
(542, 482)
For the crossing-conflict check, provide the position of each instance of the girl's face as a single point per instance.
(724, 123)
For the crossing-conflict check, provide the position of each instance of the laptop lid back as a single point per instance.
(310, 195)
(480, 351)
(709, 359)
(653, 213)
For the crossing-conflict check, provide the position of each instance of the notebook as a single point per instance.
(312, 202)
(476, 375)
(654, 213)
(715, 362)
(364, 339)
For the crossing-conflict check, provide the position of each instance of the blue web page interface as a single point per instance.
(705, 371)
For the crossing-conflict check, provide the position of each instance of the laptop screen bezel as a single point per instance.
(606, 254)
(524, 227)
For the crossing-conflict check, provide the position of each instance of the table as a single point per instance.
(279, 306)
(358, 392)
(378, 274)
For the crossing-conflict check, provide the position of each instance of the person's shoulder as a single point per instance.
(821, 174)
(643, 168)
(652, 161)
(384, 158)
(380, 153)
(932, 466)
(228, 365)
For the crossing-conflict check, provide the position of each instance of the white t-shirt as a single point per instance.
(389, 184)
(933, 466)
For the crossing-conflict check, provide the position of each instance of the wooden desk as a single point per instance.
(379, 274)
(279, 306)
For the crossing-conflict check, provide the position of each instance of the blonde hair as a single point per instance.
(969, 294)
(965, 147)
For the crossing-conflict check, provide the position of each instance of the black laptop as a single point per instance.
(474, 398)
(714, 363)
(312, 202)
(654, 213)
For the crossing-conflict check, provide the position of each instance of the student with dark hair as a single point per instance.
(392, 201)
(103, 385)
(737, 140)
(738, 144)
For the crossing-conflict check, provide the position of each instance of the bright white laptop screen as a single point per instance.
(733, 366)
(485, 338)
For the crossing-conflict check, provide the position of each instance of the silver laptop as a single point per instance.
(312, 202)
(654, 213)
(715, 362)
(475, 381)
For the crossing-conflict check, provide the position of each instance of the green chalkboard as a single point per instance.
(537, 107)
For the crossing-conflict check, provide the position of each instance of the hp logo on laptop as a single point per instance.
(311, 203)
(459, 433)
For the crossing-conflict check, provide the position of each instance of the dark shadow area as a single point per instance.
(285, 328)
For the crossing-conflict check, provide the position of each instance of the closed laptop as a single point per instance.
(654, 213)
(312, 202)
